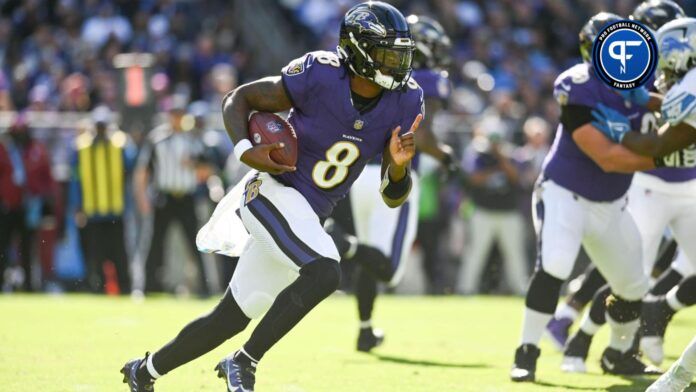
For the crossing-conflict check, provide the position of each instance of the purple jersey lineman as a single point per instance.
(335, 141)
(566, 164)
(436, 85)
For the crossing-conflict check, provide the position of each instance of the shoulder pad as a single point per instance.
(576, 86)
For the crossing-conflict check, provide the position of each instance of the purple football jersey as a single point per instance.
(335, 141)
(566, 164)
(435, 84)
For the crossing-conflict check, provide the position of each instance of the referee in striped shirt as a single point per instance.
(172, 159)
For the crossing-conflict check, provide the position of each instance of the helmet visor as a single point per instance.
(391, 61)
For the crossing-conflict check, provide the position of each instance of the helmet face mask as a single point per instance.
(376, 44)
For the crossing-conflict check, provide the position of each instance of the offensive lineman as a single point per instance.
(289, 264)
(580, 200)
(676, 76)
(653, 14)
(658, 199)
(385, 235)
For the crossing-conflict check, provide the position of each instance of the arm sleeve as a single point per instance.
(575, 116)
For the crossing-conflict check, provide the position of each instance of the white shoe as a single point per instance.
(652, 347)
(573, 365)
(675, 380)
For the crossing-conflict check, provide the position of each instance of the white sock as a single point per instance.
(248, 356)
(366, 324)
(566, 311)
(672, 300)
(688, 359)
(533, 326)
(588, 326)
(622, 334)
(151, 368)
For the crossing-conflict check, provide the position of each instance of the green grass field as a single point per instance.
(78, 343)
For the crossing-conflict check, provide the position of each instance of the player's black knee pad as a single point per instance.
(686, 293)
(621, 310)
(543, 292)
(325, 274)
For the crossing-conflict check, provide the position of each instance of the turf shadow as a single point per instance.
(564, 386)
(424, 362)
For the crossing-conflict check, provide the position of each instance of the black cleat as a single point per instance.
(239, 372)
(369, 338)
(524, 368)
(615, 362)
(129, 372)
(575, 353)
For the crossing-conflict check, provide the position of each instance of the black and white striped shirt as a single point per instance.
(171, 157)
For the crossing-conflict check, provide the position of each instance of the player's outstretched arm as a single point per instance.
(669, 139)
(265, 95)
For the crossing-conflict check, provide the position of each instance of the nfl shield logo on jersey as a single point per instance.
(358, 125)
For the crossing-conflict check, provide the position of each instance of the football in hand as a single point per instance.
(269, 128)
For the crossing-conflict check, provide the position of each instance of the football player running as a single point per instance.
(581, 200)
(289, 263)
(384, 235)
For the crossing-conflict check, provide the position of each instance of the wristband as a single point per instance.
(396, 190)
(241, 147)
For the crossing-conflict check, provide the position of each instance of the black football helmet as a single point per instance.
(432, 43)
(589, 32)
(655, 13)
(375, 43)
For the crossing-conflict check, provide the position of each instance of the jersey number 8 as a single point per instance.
(334, 170)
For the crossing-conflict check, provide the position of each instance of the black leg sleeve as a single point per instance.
(664, 259)
(317, 281)
(365, 293)
(666, 281)
(598, 308)
(201, 335)
(592, 283)
(686, 293)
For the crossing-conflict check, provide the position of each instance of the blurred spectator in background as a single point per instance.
(494, 187)
(104, 158)
(26, 189)
(170, 157)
